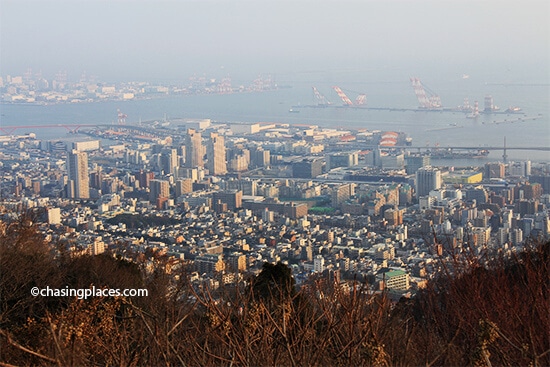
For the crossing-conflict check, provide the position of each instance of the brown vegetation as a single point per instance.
(489, 313)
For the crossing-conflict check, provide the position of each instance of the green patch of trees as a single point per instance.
(136, 221)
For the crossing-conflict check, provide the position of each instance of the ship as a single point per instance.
(513, 109)
(452, 154)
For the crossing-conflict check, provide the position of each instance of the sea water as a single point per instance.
(443, 129)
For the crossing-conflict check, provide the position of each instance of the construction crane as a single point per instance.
(427, 99)
(343, 97)
(321, 100)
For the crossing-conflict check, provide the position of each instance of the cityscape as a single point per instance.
(221, 200)
(261, 228)
(318, 199)
(34, 88)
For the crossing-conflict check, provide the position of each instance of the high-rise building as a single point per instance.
(414, 162)
(236, 261)
(307, 168)
(216, 155)
(233, 199)
(394, 217)
(342, 159)
(239, 163)
(209, 263)
(54, 216)
(341, 193)
(392, 161)
(318, 264)
(194, 150)
(260, 157)
(168, 161)
(97, 247)
(247, 186)
(77, 172)
(195, 174)
(477, 193)
(84, 146)
(184, 186)
(427, 179)
(494, 170)
(36, 186)
(516, 236)
(522, 168)
(268, 216)
(543, 180)
(144, 178)
(159, 189)
(531, 191)
(96, 177)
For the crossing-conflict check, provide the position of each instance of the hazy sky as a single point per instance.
(160, 40)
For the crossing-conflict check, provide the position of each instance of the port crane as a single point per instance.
(121, 117)
(321, 100)
(224, 87)
(427, 98)
(475, 111)
(359, 101)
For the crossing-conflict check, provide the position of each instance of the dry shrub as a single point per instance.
(478, 310)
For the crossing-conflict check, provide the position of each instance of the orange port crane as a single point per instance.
(321, 100)
(359, 101)
(426, 98)
(343, 97)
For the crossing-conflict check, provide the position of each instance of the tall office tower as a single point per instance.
(77, 172)
(168, 160)
(427, 179)
(216, 155)
(194, 151)
(159, 189)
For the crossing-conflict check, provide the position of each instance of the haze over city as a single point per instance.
(167, 40)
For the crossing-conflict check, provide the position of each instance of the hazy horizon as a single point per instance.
(169, 40)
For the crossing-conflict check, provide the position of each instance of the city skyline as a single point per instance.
(276, 181)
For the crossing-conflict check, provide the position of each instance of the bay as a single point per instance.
(443, 129)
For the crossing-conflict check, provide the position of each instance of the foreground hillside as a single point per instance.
(475, 311)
